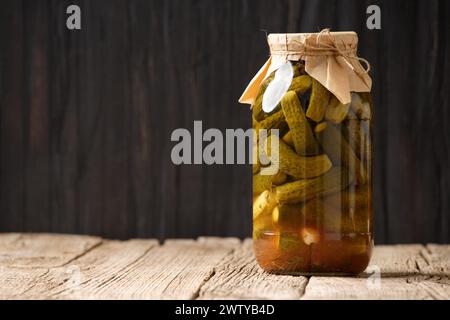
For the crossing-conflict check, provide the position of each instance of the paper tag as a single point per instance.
(277, 87)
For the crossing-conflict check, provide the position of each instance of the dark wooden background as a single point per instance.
(86, 116)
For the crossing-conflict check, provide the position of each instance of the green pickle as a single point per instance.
(301, 132)
(314, 216)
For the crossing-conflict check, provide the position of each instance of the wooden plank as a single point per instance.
(64, 123)
(46, 266)
(395, 260)
(80, 278)
(414, 287)
(141, 162)
(220, 242)
(91, 108)
(125, 270)
(175, 270)
(12, 82)
(135, 269)
(86, 277)
(37, 211)
(436, 260)
(238, 276)
(118, 215)
(42, 250)
(15, 283)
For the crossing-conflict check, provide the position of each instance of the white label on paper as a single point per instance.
(277, 87)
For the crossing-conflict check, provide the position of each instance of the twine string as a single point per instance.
(324, 48)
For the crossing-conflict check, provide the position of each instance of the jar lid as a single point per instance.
(295, 46)
(329, 57)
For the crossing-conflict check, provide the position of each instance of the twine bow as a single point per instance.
(324, 48)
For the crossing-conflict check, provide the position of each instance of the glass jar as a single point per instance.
(314, 214)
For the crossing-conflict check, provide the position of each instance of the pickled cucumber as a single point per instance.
(334, 180)
(274, 121)
(302, 135)
(300, 84)
(254, 122)
(299, 69)
(354, 204)
(351, 115)
(264, 204)
(255, 159)
(294, 165)
(351, 199)
(340, 152)
(318, 102)
(264, 182)
(288, 216)
(361, 107)
(320, 127)
(355, 136)
(357, 133)
(261, 224)
(288, 139)
(366, 145)
(336, 111)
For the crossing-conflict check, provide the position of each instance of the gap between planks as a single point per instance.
(238, 276)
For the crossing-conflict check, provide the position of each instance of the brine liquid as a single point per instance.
(333, 254)
(317, 237)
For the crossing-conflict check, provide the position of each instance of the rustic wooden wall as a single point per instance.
(86, 115)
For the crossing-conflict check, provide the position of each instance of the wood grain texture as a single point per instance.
(134, 269)
(436, 260)
(87, 277)
(414, 287)
(175, 270)
(82, 278)
(44, 266)
(396, 260)
(43, 250)
(17, 283)
(395, 272)
(238, 276)
(86, 116)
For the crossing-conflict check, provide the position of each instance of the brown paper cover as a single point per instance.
(330, 58)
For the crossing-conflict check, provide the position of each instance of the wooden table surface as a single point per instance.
(52, 266)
